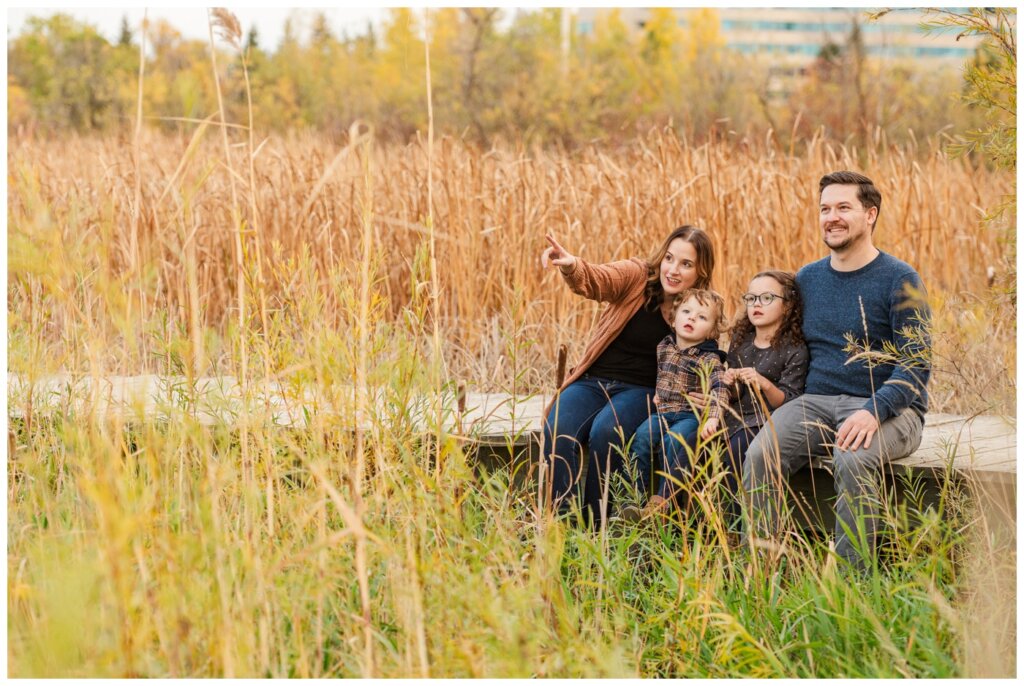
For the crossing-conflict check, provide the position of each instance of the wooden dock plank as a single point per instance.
(984, 445)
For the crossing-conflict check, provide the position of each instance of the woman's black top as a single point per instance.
(632, 357)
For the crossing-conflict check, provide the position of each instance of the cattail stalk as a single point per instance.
(435, 290)
(135, 258)
(363, 405)
(228, 648)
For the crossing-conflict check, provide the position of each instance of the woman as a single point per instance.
(609, 392)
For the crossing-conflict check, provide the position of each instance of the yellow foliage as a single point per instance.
(703, 34)
(19, 109)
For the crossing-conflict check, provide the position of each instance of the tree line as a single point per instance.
(517, 80)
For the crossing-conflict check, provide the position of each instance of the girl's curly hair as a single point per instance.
(792, 315)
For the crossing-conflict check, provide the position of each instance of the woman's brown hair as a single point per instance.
(705, 265)
(793, 312)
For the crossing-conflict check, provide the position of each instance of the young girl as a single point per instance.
(767, 361)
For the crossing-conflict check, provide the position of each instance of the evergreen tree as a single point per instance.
(126, 36)
(252, 39)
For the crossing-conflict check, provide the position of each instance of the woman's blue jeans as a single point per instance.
(663, 445)
(599, 416)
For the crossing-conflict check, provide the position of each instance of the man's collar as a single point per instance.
(852, 263)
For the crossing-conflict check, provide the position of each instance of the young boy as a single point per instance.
(686, 362)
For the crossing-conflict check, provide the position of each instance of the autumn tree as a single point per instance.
(990, 78)
(177, 83)
(68, 72)
(276, 87)
(662, 47)
(828, 98)
(535, 78)
(990, 84)
(719, 85)
(399, 74)
(19, 107)
(612, 91)
(476, 61)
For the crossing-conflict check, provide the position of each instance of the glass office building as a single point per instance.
(796, 36)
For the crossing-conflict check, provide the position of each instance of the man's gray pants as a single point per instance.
(805, 427)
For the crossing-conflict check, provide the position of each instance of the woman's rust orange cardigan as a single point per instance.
(621, 284)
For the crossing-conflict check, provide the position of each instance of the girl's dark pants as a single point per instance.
(739, 441)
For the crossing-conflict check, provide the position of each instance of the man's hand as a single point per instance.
(557, 255)
(858, 428)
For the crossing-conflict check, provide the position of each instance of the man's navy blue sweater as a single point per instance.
(875, 304)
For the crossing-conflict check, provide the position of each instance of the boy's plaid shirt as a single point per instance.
(680, 371)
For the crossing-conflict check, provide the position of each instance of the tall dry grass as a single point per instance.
(490, 211)
(142, 547)
(177, 549)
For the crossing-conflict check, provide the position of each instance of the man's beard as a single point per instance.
(842, 243)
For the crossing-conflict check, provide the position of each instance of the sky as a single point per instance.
(191, 21)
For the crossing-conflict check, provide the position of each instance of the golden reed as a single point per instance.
(491, 210)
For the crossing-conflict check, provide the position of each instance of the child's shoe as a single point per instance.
(655, 506)
(630, 513)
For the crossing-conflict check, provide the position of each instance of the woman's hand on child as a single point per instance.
(698, 401)
(557, 255)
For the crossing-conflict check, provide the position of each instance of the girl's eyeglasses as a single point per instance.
(749, 299)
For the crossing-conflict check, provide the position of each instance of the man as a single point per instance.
(865, 322)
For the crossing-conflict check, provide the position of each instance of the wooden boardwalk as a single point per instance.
(984, 446)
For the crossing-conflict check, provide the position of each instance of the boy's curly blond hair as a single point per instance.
(708, 298)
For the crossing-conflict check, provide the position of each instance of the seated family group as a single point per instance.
(833, 360)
